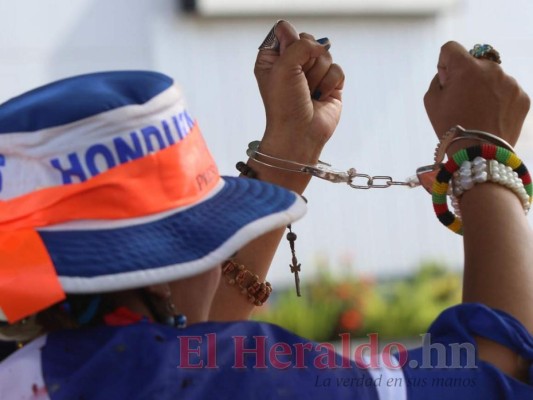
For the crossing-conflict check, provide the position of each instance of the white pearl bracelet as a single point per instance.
(480, 170)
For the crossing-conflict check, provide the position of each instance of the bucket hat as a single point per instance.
(106, 184)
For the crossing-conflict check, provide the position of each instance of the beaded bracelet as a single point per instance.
(256, 292)
(481, 171)
(442, 181)
(246, 170)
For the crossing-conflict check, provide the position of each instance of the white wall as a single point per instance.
(388, 62)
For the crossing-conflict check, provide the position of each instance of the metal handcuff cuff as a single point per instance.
(425, 175)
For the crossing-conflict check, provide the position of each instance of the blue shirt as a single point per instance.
(253, 360)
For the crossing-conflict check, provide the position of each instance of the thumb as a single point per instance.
(281, 36)
(286, 34)
(452, 55)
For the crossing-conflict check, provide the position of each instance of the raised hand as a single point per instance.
(301, 90)
(476, 94)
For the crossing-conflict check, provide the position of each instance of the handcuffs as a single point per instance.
(425, 175)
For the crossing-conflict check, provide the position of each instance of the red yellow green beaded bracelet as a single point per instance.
(442, 181)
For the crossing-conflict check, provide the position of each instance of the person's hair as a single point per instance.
(74, 312)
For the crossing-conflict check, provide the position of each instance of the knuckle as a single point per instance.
(525, 100)
(512, 82)
(328, 57)
(338, 70)
(308, 36)
(426, 99)
(449, 44)
(452, 49)
(305, 43)
(512, 85)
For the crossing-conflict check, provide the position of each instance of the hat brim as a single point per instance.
(92, 257)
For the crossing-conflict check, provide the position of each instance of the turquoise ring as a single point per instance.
(486, 52)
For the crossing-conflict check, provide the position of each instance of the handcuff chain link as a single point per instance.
(324, 171)
(371, 181)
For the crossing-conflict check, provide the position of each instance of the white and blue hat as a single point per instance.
(106, 184)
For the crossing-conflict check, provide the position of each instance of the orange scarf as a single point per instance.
(176, 176)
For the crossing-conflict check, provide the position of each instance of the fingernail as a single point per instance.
(324, 42)
(271, 42)
(316, 95)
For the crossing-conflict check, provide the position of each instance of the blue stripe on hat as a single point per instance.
(182, 237)
(79, 97)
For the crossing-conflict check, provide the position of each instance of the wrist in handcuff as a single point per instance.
(445, 175)
(436, 178)
(455, 139)
(303, 151)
